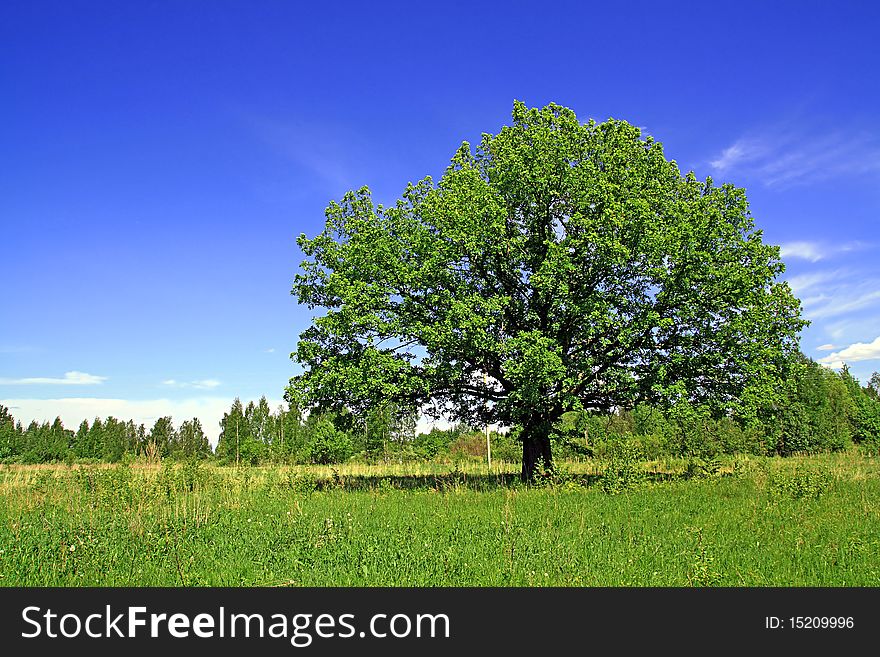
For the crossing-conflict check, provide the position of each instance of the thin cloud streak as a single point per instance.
(73, 378)
(783, 158)
(841, 306)
(816, 251)
(740, 152)
(804, 250)
(203, 384)
(803, 282)
(323, 150)
(834, 292)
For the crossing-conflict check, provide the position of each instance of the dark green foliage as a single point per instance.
(865, 408)
(817, 412)
(624, 468)
(692, 434)
(43, 443)
(10, 435)
(435, 442)
(233, 444)
(288, 435)
(190, 442)
(328, 444)
(117, 440)
(740, 437)
(90, 447)
(162, 436)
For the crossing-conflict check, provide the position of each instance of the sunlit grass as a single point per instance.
(758, 522)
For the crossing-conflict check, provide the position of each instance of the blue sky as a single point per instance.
(159, 160)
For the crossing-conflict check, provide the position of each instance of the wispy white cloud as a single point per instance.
(805, 250)
(201, 384)
(69, 379)
(270, 350)
(852, 354)
(740, 152)
(789, 156)
(807, 281)
(825, 347)
(836, 292)
(815, 251)
(814, 300)
(838, 329)
(73, 410)
(845, 303)
(852, 328)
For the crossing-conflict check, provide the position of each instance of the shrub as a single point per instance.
(429, 445)
(623, 470)
(692, 433)
(328, 444)
(699, 468)
(505, 447)
(469, 445)
(805, 483)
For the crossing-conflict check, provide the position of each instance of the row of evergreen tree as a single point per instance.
(249, 434)
(824, 411)
(108, 440)
(254, 434)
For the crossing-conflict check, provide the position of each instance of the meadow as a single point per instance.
(747, 521)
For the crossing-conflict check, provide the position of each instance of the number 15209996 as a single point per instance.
(809, 622)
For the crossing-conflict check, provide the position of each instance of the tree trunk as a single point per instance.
(536, 449)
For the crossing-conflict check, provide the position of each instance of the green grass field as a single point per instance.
(802, 521)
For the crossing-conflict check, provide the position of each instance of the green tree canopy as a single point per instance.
(161, 436)
(10, 434)
(557, 266)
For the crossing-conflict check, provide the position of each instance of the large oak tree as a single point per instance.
(557, 266)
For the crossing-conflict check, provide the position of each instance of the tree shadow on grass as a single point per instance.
(422, 482)
(458, 481)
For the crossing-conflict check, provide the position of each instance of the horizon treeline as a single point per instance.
(824, 411)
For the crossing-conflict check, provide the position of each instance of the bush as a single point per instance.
(805, 483)
(699, 468)
(624, 466)
(692, 433)
(328, 444)
(469, 445)
(870, 447)
(429, 445)
(505, 447)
